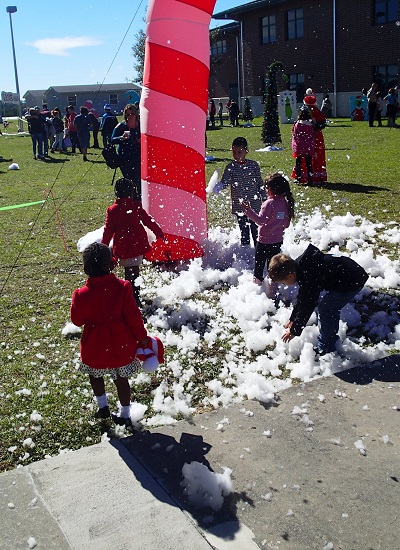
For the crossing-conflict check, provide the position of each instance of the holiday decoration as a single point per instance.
(173, 110)
(247, 112)
(270, 128)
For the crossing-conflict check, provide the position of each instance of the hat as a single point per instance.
(37, 108)
(310, 99)
(107, 107)
(152, 355)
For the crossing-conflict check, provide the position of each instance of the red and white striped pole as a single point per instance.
(173, 111)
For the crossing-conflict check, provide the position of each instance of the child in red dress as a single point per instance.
(113, 330)
(124, 223)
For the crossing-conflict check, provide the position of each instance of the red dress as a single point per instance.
(113, 324)
(318, 159)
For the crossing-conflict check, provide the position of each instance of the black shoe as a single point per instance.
(103, 413)
(119, 421)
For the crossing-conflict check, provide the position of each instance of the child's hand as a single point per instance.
(143, 343)
(245, 205)
(287, 335)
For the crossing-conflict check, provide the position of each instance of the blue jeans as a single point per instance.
(37, 141)
(329, 315)
(246, 226)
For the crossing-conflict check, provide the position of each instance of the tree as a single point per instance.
(138, 49)
(270, 128)
(247, 111)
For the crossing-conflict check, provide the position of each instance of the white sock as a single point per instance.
(125, 411)
(102, 401)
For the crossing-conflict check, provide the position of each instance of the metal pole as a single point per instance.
(242, 59)
(334, 60)
(10, 10)
(238, 69)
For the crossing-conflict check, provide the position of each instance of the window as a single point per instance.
(113, 100)
(268, 29)
(385, 11)
(218, 47)
(386, 76)
(295, 24)
(296, 83)
(71, 100)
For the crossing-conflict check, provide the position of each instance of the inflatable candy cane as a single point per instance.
(173, 110)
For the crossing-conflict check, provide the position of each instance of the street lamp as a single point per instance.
(10, 10)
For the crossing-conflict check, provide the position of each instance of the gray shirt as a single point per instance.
(246, 183)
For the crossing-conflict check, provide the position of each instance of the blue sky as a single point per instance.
(73, 43)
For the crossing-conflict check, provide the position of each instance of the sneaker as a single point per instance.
(119, 421)
(103, 413)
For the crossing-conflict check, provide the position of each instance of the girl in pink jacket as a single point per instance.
(303, 143)
(272, 220)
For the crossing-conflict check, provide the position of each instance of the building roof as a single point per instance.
(82, 88)
(232, 13)
(35, 93)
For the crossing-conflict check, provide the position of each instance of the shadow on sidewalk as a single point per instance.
(163, 457)
(383, 370)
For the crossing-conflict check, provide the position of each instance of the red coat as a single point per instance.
(124, 221)
(113, 324)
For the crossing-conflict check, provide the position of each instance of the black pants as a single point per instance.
(371, 112)
(246, 226)
(264, 253)
(309, 167)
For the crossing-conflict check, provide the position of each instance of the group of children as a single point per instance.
(108, 307)
(266, 213)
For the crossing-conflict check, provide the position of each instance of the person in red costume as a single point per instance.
(318, 161)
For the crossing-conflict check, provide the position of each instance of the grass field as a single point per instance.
(38, 272)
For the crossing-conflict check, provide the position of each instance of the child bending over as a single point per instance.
(272, 220)
(314, 272)
(124, 223)
(113, 330)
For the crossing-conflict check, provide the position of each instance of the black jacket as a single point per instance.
(317, 272)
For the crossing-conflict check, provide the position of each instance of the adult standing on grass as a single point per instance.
(83, 124)
(318, 161)
(59, 131)
(391, 106)
(113, 330)
(95, 124)
(372, 105)
(107, 125)
(71, 126)
(127, 136)
(35, 128)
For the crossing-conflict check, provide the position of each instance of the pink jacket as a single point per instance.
(303, 140)
(272, 219)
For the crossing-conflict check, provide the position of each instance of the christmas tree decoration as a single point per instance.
(247, 112)
(271, 134)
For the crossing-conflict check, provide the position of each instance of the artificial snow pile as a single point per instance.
(218, 326)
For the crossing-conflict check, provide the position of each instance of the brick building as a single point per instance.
(333, 46)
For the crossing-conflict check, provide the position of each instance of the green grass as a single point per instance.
(38, 274)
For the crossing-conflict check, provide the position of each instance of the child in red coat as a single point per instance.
(113, 330)
(124, 223)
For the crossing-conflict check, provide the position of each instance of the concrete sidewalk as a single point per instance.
(300, 481)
